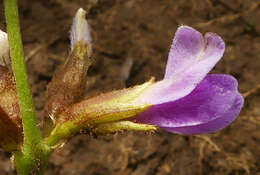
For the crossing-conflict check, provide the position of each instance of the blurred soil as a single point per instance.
(131, 43)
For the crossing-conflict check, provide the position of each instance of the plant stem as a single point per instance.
(34, 149)
(32, 132)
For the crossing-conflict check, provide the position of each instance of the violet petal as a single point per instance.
(80, 30)
(186, 46)
(212, 105)
(190, 59)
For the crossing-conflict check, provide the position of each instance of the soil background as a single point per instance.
(131, 41)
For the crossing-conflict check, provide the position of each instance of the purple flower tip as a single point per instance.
(189, 100)
(80, 30)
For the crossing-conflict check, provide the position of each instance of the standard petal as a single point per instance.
(187, 45)
(189, 48)
(190, 60)
(212, 105)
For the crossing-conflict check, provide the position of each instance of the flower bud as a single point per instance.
(68, 82)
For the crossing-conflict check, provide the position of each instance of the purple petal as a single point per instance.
(189, 49)
(186, 47)
(190, 59)
(80, 30)
(211, 106)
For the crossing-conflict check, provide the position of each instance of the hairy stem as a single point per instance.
(34, 152)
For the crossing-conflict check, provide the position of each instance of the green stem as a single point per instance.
(34, 150)
(32, 132)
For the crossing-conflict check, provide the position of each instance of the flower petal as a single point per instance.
(80, 30)
(187, 45)
(4, 51)
(190, 59)
(212, 105)
(189, 49)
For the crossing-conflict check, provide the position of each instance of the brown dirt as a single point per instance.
(141, 31)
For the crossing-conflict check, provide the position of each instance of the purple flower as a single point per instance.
(187, 100)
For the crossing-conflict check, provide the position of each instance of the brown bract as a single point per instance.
(10, 118)
(67, 85)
